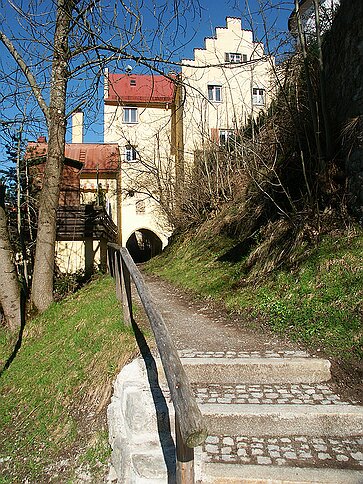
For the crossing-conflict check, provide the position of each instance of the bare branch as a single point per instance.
(27, 72)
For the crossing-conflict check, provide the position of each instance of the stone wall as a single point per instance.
(343, 62)
(140, 422)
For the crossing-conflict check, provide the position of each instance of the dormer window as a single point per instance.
(235, 57)
(132, 82)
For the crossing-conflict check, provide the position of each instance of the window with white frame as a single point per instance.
(236, 57)
(225, 135)
(215, 93)
(130, 153)
(130, 115)
(258, 96)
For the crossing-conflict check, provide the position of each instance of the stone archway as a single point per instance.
(143, 244)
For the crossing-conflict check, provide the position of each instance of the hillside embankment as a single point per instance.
(55, 392)
(316, 299)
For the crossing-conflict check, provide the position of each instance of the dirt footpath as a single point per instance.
(202, 326)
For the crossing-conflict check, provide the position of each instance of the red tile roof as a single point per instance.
(93, 156)
(133, 88)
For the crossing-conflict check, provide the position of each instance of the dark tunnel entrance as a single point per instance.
(143, 244)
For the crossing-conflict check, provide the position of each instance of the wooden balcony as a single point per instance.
(81, 222)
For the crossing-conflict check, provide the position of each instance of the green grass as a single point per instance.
(54, 392)
(320, 303)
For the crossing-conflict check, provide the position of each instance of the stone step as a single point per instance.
(192, 353)
(276, 460)
(256, 370)
(283, 420)
(270, 441)
(212, 473)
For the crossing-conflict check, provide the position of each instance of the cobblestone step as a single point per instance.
(296, 451)
(192, 353)
(256, 370)
(284, 428)
(283, 420)
(213, 473)
(299, 393)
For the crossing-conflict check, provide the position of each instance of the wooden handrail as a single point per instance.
(190, 428)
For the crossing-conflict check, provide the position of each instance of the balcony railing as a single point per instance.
(79, 222)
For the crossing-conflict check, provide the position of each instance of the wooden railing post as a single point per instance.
(126, 292)
(184, 458)
(117, 267)
(110, 261)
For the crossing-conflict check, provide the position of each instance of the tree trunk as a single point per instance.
(42, 287)
(9, 284)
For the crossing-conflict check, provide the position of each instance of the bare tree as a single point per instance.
(9, 284)
(42, 288)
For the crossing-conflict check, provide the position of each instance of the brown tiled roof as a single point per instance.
(89, 157)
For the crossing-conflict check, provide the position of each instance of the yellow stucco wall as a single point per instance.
(237, 80)
(151, 137)
(70, 255)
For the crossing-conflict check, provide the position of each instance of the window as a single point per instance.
(130, 115)
(225, 135)
(235, 57)
(258, 96)
(215, 93)
(132, 82)
(130, 153)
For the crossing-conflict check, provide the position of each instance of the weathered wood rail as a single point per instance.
(190, 429)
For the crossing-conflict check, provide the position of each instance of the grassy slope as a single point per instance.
(53, 394)
(319, 303)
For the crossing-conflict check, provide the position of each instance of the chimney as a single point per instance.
(41, 139)
(77, 127)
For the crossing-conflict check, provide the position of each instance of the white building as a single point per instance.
(138, 115)
(227, 82)
(153, 125)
